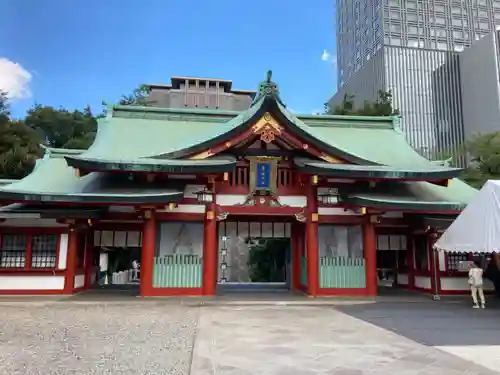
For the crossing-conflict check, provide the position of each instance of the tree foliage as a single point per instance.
(62, 128)
(382, 106)
(20, 140)
(19, 144)
(483, 151)
(138, 97)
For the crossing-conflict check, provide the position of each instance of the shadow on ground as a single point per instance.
(438, 324)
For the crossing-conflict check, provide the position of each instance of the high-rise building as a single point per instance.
(411, 48)
(480, 85)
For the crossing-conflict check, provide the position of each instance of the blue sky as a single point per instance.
(73, 53)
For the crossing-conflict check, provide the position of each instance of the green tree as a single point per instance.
(62, 128)
(346, 107)
(484, 154)
(382, 106)
(138, 97)
(19, 144)
(266, 261)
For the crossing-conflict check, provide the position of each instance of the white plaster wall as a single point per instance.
(393, 214)
(31, 283)
(402, 279)
(126, 209)
(191, 190)
(63, 251)
(180, 238)
(293, 200)
(461, 283)
(423, 282)
(230, 199)
(442, 260)
(44, 223)
(334, 211)
(187, 208)
(79, 281)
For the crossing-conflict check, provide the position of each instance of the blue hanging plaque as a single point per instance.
(263, 176)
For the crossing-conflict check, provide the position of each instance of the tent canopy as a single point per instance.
(477, 228)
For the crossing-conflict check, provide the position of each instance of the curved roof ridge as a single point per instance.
(61, 152)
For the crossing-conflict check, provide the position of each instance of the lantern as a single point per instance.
(331, 197)
(205, 196)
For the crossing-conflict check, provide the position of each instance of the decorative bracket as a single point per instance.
(301, 215)
(218, 215)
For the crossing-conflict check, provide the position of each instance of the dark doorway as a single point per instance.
(119, 267)
(267, 262)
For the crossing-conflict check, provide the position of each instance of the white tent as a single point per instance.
(477, 228)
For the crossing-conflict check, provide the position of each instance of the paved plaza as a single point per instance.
(161, 336)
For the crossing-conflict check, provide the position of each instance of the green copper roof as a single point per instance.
(151, 139)
(54, 181)
(415, 196)
(149, 165)
(375, 171)
(130, 133)
(140, 136)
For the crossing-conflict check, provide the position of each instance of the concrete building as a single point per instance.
(410, 47)
(194, 92)
(480, 86)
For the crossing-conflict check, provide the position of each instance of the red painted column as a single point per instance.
(71, 258)
(210, 252)
(148, 253)
(370, 253)
(296, 253)
(89, 257)
(312, 241)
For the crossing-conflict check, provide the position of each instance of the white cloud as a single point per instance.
(326, 56)
(329, 57)
(14, 79)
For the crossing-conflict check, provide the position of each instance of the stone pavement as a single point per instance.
(224, 337)
(455, 328)
(311, 340)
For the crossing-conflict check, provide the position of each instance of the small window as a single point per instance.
(13, 251)
(453, 259)
(44, 250)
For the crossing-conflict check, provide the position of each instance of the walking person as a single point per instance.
(476, 285)
(135, 270)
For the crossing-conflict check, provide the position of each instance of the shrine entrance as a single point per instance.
(254, 256)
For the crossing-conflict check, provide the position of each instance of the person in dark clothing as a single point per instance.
(493, 273)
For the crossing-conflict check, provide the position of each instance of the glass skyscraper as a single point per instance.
(411, 47)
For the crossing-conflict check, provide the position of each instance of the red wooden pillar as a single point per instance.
(312, 241)
(89, 257)
(370, 253)
(296, 254)
(210, 251)
(148, 253)
(71, 259)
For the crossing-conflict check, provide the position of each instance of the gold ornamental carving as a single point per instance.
(267, 127)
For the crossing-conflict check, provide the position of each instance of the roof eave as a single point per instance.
(330, 171)
(391, 204)
(92, 199)
(117, 166)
